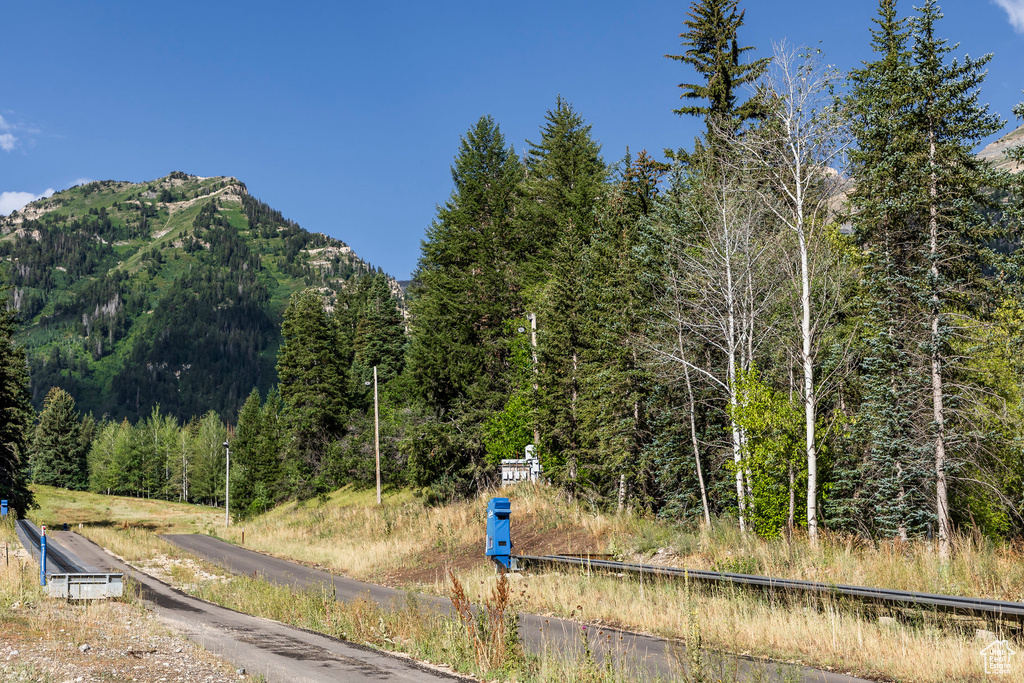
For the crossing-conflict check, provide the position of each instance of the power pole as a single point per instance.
(532, 317)
(376, 431)
(227, 485)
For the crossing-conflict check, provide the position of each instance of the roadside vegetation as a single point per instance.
(59, 506)
(43, 640)
(411, 545)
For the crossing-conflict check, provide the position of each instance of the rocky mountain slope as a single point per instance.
(996, 151)
(167, 292)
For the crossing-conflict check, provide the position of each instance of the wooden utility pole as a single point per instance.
(227, 481)
(376, 431)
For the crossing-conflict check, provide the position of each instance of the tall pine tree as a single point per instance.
(712, 48)
(16, 415)
(616, 385)
(563, 189)
(884, 163)
(313, 379)
(380, 334)
(465, 291)
(58, 453)
(920, 212)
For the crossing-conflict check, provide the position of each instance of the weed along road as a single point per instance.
(651, 658)
(280, 653)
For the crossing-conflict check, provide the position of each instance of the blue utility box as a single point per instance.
(499, 537)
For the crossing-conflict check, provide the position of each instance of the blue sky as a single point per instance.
(345, 116)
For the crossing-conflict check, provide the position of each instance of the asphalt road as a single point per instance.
(643, 656)
(280, 653)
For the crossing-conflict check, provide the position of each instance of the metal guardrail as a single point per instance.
(55, 558)
(69, 580)
(976, 607)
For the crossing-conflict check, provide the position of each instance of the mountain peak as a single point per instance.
(167, 292)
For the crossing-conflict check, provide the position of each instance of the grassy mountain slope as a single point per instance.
(168, 292)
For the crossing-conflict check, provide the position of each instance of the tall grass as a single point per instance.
(481, 642)
(348, 533)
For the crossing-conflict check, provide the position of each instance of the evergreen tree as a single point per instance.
(564, 176)
(16, 416)
(313, 381)
(58, 456)
(244, 450)
(919, 213)
(565, 182)
(616, 385)
(713, 50)
(466, 290)
(957, 185)
(209, 435)
(884, 164)
(267, 461)
(255, 449)
(379, 336)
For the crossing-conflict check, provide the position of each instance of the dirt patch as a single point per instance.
(180, 572)
(119, 644)
(528, 538)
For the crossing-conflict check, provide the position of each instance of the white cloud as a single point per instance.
(14, 133)
(13, 201)
(1015, 10)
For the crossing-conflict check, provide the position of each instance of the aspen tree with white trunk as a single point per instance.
(798, 155)
(717, 292)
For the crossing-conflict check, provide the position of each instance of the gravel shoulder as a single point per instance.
(278, 652)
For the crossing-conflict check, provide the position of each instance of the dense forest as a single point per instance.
(810, 318)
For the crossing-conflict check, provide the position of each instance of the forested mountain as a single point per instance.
(169, 292)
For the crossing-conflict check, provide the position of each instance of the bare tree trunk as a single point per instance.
(938, 411)
(747, 355)
(693, 436)
(737, 441)
(800, 159)
(810, 400)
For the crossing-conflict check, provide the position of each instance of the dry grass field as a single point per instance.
(406, 544)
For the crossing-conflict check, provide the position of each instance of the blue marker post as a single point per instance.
(499, 538)
(3, 508)
(42, 558)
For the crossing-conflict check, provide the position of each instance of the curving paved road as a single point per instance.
(649, 657)
(282, 654)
